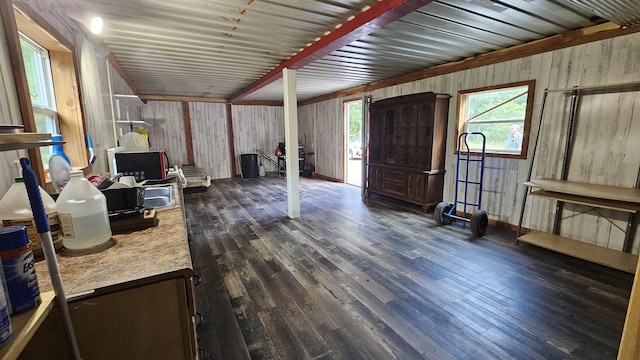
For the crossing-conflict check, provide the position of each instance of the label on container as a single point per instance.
(66, 226)
(20, 281)
(5, 322)
(32, 231)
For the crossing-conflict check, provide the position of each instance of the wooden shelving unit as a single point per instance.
(25, 326)
(601, 203)
(601, 196)
(597, 254)
(624, 199)
(128, 100)
(613, 197)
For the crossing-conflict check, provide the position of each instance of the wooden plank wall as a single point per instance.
(257, 127)
(210, 139)
(503, 177)
(327, 137)
(166, 129)
(607, 132)
(607, 128)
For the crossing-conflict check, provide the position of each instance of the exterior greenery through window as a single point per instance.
(40, 81)
(502, 113)
(354, 119)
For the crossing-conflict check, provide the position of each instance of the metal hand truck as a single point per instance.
(445, 213)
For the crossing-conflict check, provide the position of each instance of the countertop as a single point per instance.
(128, 259)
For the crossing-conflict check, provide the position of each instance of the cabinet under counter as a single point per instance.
(130, 300)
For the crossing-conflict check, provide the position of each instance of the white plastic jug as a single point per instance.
(15, 209)
(82, 211)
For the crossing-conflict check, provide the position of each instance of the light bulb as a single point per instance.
(96, 25)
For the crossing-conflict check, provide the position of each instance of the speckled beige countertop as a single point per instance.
(131, 259)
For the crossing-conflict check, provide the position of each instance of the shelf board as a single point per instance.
(28, 145)
(133, 122)
(17, 141)
(7, 138)
(582, 200)
(605, 192)
(25, 326)
(129, 99)
(597, 254)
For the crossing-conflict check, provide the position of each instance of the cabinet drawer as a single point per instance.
(393, 188)
(394, 175)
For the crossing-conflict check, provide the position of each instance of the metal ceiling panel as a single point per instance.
(621, 12)
(208, 48)
(215, 48)
(438, 33)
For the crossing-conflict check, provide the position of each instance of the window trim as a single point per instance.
(66, 87)
(43, 80)
(461, 109)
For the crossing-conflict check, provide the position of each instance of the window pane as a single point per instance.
(500, 114)
(45, 124)
(503, 104)
(39, 80)
(38, 77)
(499, 136)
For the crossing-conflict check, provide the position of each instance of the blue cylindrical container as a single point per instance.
(57, 149)
(6, 332)
(18, 271)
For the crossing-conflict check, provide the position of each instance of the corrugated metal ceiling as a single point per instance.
(622, 12)
(216, 48)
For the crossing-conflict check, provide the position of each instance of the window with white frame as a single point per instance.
(40, 81)
(502, 113)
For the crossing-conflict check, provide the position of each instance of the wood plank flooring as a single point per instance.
(379, 280)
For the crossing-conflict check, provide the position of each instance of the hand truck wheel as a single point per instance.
(440, 213)
(479, 222)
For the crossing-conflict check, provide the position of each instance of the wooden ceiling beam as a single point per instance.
(377, 16)
(123, 74)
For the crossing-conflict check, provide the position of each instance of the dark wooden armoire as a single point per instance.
(407, 139)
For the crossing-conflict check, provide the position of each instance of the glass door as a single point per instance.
(353, 142)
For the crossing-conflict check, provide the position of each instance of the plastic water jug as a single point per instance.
(15, 209)
(82, 210)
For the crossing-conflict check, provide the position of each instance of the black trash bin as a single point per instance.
(249, 165)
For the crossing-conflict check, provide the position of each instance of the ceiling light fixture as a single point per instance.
(96, 25)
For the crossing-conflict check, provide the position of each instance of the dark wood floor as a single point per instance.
(378, 280)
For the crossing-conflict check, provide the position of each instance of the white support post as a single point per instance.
(291, 141)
